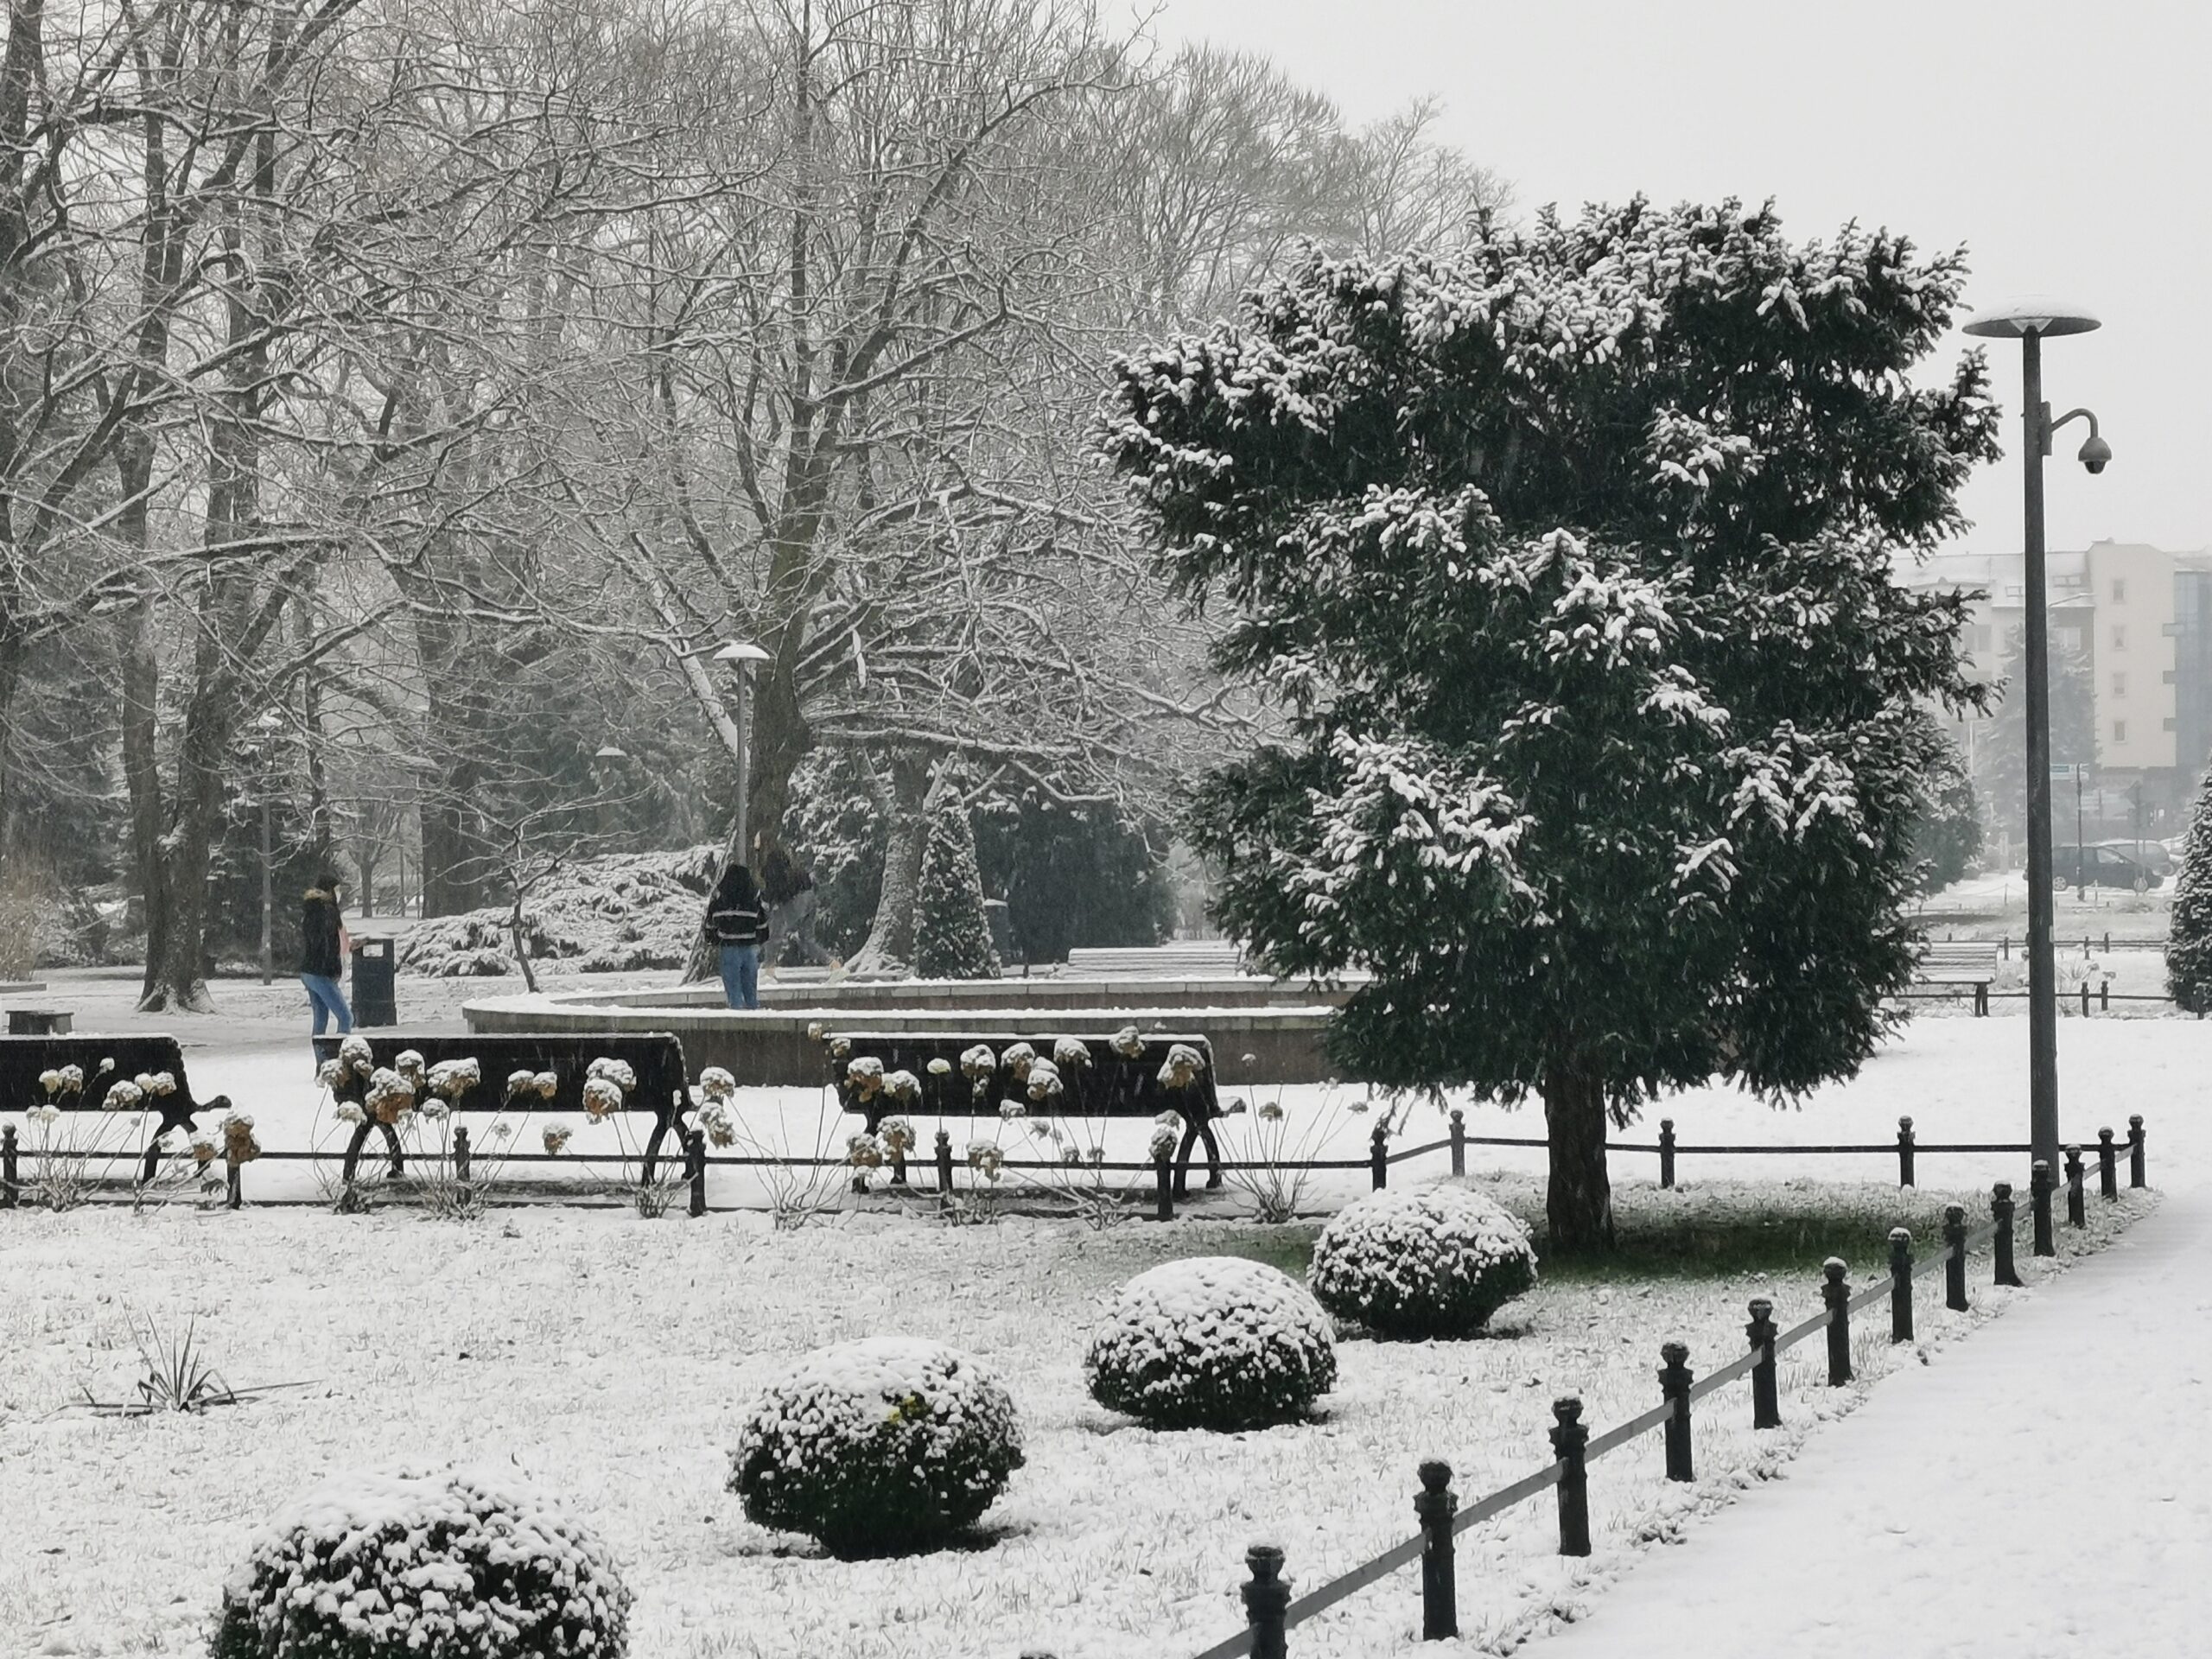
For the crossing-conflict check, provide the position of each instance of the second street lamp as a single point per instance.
(2031, 321)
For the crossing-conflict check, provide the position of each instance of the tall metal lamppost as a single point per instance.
(743, 653)
(2031, 321)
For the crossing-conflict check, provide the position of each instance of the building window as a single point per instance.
(2119, 685)
(2120, 590)
(2119, 731)
(2119, 636)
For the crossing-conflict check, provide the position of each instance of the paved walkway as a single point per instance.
(2044, 1488)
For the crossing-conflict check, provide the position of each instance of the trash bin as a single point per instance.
(376, 994)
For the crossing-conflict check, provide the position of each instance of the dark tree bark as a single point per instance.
(1579, 1205)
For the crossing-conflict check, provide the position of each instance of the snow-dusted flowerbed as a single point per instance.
(611, 1362)
(608, 915)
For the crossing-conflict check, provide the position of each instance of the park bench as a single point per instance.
(1185, 959)
(40, 1022)
(1967, 963)
(1114, 1084)
(102, 1062)
(656, 1059)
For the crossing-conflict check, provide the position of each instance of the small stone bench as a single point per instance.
(40, 1022)
(100, 1063)
(655, 1058)
(1191, 959)
(1967, 963)
(1113, 1084)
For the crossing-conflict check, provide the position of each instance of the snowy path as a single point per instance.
(2043, 1489)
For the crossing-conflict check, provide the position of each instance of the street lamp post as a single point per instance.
(2031, 321)
(744, 653)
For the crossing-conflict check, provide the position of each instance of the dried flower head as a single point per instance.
(984, 1156)
(866, 1075)
(903, 1087)
(864, 1151)
(451, 1079)
(73, 1079)
(123, 1096)
(979, 1062)
(1128, 1044)
(897, 1135)
(548, 1084)
(239, 1146)
(717, 1124)
(43, 1115)
(1181, 1068)
(1011, 1110)
(940, 1067)
(1017, 1060)
(714, 1084)
(556, 1138)
(602, 1096)
(1071, 1054)
(1270, 1111)
(409, 1064)
(618, 1072)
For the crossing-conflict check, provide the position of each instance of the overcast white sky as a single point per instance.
(2069, 147)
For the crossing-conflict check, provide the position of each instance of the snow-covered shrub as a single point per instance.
(952, 934)
(607, 915)
(450, 1564)
(880, 1446)
(1211, 1342)
(1437, 1261)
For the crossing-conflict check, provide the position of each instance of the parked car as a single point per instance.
(2100, 866)
(2151, 855)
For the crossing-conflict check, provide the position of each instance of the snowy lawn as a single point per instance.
(609, 1359)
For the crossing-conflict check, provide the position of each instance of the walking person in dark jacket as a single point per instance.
(787, 887)
(736, 927)
(323, 945)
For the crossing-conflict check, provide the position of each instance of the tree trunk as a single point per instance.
(1579, 1202)
(890, 946)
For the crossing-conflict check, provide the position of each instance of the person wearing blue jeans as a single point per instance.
(322, 954)
(736, 926)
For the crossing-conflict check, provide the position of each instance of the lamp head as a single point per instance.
(2095, 453)
(2035, 313)
(741, 651)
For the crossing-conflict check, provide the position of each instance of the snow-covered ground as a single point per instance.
(610, 1357)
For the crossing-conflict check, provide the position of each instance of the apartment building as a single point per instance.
(2139, 619)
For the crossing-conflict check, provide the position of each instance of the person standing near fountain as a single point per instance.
(736, 926)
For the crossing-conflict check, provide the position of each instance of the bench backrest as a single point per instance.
(657, 1057)
(24, 1059)
(1113, 1085)
(1959, 953)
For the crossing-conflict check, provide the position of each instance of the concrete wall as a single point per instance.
(1279, 1026)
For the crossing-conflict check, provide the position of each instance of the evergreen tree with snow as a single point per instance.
(1947, 828)
(1567, 561)
(2001, 759)
(2189, 941)
(952, 936)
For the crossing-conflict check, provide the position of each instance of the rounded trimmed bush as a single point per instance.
(1433, 1262)
(881, 1446)
(1211, 1342)
(445, 1564)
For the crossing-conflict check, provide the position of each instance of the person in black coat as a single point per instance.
(736, 926)
(323, 945)
(787, 887)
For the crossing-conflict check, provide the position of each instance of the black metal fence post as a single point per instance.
(1459, 1142)
(1440, 1591)
(1981, 999)
(1954, 1263)
(2078, 1210)
(2000, 1211)
(1163, 1187)
(2039, 1185)
(1766, 1399)
(1666, 1151)
(1675, 1386)
(1835, 1292)
(944, 1169)
(1378, 1156)
(234, 1193)
(2108, 1166)
(461, 1159)
(1900, 1284)
(8, 1153)
(1904, 1152)
(695, 1160)
(2085, 997)
(1266, 1598)
(2135, 1150)
(1569, 1436)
